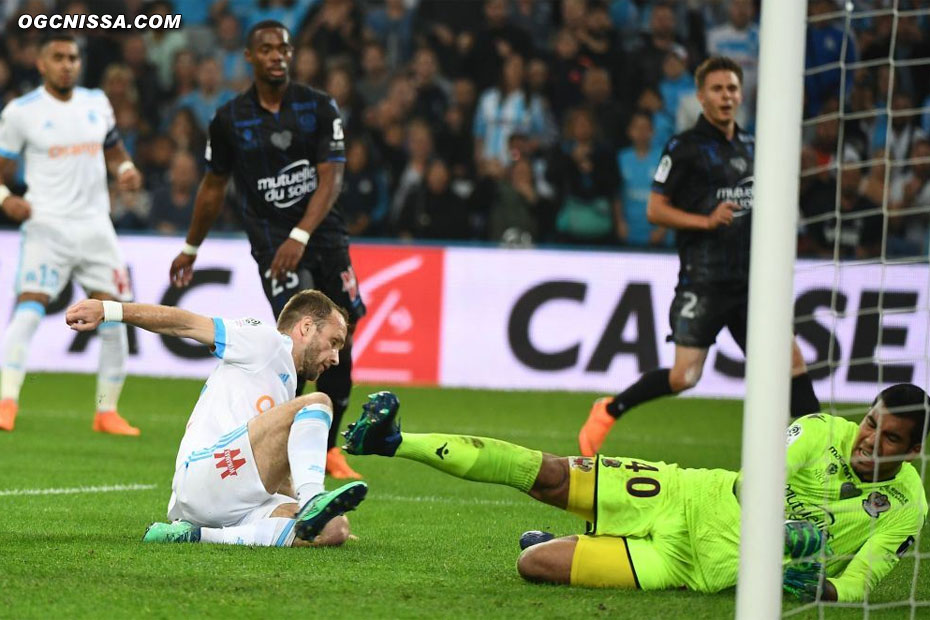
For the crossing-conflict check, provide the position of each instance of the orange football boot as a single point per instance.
(595, 429)
(114, 424)
(337, 467)
(8, 409)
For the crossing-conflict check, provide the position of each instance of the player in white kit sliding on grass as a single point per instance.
(250, 447)
(68, 138)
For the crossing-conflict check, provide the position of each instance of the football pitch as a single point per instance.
(74, 505)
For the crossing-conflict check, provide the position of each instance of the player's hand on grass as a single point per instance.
(722, 215)
(182, 270)
(803, 580)
(130, 180)
(286, 258)
(17, 208)
(85, 315)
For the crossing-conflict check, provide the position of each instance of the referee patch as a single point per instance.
(665, 166)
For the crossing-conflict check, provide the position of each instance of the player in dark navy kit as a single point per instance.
(284, 146)
(703, 189)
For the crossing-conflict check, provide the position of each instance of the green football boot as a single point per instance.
(323, 507)
(377, 431)
(176, 532)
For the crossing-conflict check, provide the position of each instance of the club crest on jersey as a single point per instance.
(875, 504)
(582, 463)
(227, 462)
(307, 122)
(249, 139)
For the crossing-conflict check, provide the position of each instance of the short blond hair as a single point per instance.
(310, 303)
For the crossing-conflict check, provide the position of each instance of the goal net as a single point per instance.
(862, 307)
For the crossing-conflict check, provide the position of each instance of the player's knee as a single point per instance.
(552, 481)
(335, 533)
(684, 378)
(545, 563)
(314, 398)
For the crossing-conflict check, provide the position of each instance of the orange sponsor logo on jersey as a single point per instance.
(68, 150)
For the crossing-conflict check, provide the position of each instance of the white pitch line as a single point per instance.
(113, 488)
(448, 500)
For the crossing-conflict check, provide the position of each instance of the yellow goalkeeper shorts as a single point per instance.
(652, 505)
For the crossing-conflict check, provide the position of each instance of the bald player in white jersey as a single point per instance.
(250, 468)
(68, 139)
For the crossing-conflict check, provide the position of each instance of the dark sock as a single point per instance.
(803, 399)
(652, 384)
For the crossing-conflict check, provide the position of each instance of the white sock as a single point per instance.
(19, 333)
(111, 373)
(306, 450)
(270, 532)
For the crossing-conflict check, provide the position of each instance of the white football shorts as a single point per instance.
(53, 252)
(219, 486)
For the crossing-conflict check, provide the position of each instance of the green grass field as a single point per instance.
(429, 545)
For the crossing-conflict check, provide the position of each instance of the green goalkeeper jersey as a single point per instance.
(869, 525)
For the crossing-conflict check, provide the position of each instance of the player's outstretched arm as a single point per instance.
(661, 212)
(207, 207)
(88, 314)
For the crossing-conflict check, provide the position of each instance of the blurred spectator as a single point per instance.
(419, 154)
(173, 202)
(663, 126)
(155, 158)
(291, 13)
(145, 79)
(236, 72)
(637, 165)
(129, 210)
(677, 87)
(825, 138)
(127, 122)
(6, 83)
(364, 200)
(24, 76)
(589, 22)
(567, 70)
(308, 68)
(534, 17)
(909, 199)
(584, 173)
(433, 211)
(904, 131)
(162, 45)
(339, 87)
(185, 74)
(119, 86)
(465, 95)
(373, 84)
(505, 110)
(609, 115)
(432, 90)
(513, 216)
(185, 133)
(649, 51)
(209, 94)
(739, 39)
(454, 142)
(334, 31)
(851, 228)
(392, 27)
(493, 43)
(827, 43)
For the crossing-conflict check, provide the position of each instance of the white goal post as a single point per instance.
(771, 287)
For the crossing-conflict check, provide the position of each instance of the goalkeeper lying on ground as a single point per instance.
(850, 489)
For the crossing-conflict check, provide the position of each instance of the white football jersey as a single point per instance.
(62, 144)
(256, 372)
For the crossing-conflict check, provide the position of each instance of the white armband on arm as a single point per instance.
(112, 312)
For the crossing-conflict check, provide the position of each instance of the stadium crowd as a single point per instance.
(515, 121)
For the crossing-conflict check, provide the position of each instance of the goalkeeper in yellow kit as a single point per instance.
(852, 499)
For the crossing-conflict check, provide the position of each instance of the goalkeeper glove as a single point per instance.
(803, 580)
(802, 539)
